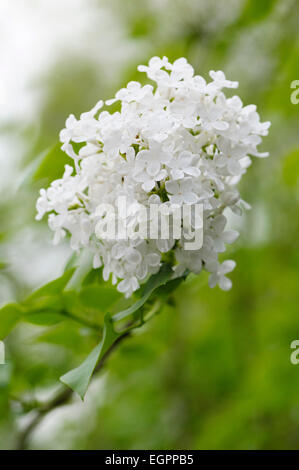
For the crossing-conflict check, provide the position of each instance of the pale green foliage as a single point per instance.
(212, 370)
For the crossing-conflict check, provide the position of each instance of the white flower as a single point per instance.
(182, 165)
(188, 260)
(154, 158)
(180, 193)
(143, 175)
(215, 230)
(219, 277)
(178, 142)
(219, 80)
(148, 166)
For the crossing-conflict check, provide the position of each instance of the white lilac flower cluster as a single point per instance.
(179, 142)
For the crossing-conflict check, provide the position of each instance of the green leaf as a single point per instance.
(10, 314)
(44, 318)
(74, 308)
(84, 265)
(42, 307)
(155, 281)
(45, 305)
(39, 304)
(52, 288)
(50, 165)
(78, 379)
(72, 261)
(95, 276)
(68, 335)
(31, 169)
(171, 285)
(99, 297)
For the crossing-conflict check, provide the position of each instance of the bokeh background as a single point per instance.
(212, 371)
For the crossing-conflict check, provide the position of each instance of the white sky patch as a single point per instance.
(34, 34)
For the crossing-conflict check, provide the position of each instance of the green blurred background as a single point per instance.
(213, 371)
